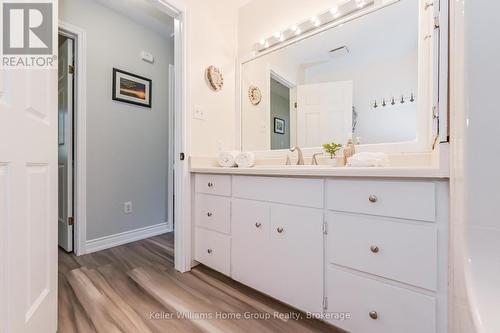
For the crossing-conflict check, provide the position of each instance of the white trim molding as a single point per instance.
(107, 242)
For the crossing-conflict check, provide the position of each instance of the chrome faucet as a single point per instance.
(300, 161)
(315, 158)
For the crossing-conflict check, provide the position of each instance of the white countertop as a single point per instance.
(433, 165)
(327, 171)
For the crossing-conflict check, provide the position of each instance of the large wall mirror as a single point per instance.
(369, 78)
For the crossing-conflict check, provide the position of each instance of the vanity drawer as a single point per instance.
(213, 249)
(213, 212)
(401, 199)
(377, 307)
(213, 184)
(292, 191)
(399, 251)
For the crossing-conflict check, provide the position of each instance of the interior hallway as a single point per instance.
(122, 289)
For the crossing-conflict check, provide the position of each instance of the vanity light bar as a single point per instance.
(335, 13)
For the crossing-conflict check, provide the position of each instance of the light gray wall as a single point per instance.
(280, 108)
(126, 144)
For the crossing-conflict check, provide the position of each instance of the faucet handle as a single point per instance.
(287, 161)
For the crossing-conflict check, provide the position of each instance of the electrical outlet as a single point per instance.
(127, 207)
(199, 113)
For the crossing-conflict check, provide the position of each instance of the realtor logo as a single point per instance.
(27, 38)
(27, 28)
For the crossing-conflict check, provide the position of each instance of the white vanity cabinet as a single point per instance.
(386, 255)
(275, 250)
(374, 248)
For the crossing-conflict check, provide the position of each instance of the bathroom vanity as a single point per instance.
(371, 248)
(369, 245)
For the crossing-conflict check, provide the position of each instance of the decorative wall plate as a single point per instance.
(254, 95)
(215, 78)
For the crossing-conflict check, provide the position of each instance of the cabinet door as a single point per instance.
(250, 251)
(297, 257)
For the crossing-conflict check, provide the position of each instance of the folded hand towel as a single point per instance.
(245, 160)
(227, 159)
(369, 160)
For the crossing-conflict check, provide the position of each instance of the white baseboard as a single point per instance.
(110, 241)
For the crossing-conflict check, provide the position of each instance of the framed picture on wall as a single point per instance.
(279, 125)
(131, 88)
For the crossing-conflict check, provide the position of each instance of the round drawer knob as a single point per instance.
(373, 315)
(258, 225)
(372, 198)
(210, 185)
(209, 214)
(279, 230)
(210, 251)
(374, 249)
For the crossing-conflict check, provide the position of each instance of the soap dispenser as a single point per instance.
(349, 150)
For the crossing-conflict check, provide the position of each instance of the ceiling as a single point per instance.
(144, 13)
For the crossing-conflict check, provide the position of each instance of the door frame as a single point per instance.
(182, 190)
(79, 37)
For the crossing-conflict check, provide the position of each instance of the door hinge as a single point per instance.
(325, 227)
(325, 303)
(182, 156)
(295, 104)
(435, 112)
(71, 220)
(71, 69)
(436, 22)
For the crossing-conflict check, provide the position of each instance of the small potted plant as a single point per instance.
(332, 149)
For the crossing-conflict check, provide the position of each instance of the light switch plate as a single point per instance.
(199, 113)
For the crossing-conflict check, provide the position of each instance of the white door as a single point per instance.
(28, 200)
(324, 113)
(65, 144)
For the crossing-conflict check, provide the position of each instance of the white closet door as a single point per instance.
(324, 113)
(65, 121)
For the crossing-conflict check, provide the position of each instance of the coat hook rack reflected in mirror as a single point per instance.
(393, 101)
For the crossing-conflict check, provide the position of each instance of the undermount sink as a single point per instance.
(293, 167)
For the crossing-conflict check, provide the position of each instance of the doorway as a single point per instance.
(86, 238)
(65, 141)
(280, 115)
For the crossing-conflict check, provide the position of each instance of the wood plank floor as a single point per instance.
(134, 288)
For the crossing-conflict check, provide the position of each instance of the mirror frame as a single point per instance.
(432, 125)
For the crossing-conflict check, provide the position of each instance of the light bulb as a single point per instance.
(298, 32)
(277, 34)
(262, 42)
(294, 28)
(360, 3)
(334, 10)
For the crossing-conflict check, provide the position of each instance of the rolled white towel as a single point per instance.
(369, 160)
(227, 159)
(245, 160)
